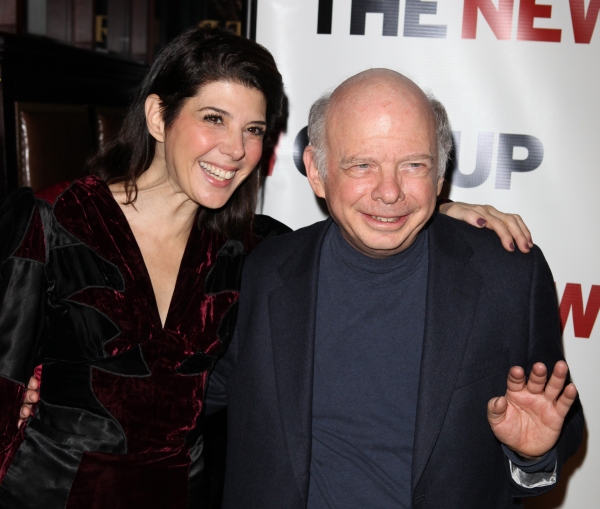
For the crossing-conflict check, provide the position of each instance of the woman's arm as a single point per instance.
(509, 227)
(22, 292)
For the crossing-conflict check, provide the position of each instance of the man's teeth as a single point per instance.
(385, 219)
(218, 173)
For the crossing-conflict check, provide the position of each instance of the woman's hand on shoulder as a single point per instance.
(32, 396)
(509, 227)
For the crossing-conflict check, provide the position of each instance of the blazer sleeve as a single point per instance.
(264, 228)
(22, 297)
(545, 345)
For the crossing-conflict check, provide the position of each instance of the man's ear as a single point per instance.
(154, 117)
(440, 184)
(312, 173)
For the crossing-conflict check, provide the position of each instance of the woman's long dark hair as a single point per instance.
(195, 58)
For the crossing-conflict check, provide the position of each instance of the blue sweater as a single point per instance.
(369, 336)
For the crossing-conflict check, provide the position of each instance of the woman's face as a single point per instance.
(216, 142)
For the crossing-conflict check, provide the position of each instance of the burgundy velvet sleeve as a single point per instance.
(11, 396)
(22, 290)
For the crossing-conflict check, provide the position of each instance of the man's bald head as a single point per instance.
(367, 84)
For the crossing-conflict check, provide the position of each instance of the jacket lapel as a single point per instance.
(292, 315)
(452, 297)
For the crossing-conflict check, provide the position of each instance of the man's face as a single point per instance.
(382, 183)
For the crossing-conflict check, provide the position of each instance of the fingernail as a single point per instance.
(530, 242)
(512, 246)
(481, 221)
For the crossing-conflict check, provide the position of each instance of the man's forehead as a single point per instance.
(378, 101)
(367, 114)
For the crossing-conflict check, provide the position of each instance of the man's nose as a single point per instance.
(388, 188)
(233, 145)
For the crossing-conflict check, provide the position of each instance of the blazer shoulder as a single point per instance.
(484, 244)
(265, 227)
(276, 249)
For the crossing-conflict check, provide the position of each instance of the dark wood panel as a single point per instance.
(83, 23)
(12, 16)
(36, 69)
(59, 19)
(141, 29)
(118, 26)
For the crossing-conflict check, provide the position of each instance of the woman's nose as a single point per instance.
(233, 146)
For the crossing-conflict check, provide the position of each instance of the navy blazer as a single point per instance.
(487, 310)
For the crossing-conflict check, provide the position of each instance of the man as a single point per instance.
(372, 349)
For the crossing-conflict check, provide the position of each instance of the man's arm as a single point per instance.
(216, 392)
(538, 415)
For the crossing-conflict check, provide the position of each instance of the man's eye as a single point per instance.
(214, 119)
(417, 168)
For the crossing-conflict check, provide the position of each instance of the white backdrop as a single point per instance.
(524, 101)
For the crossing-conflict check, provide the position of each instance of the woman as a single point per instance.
(124, 292)
(127, 328)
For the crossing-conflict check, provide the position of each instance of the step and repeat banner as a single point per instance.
(521, 82)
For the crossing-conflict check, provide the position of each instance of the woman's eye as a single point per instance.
(257, 130)
(214, 119)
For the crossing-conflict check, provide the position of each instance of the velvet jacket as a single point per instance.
(486, 310)
(121, 393)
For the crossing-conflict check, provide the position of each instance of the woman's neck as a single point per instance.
(159, 203)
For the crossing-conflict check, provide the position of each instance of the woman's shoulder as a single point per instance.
(20, 226)
(90, 185)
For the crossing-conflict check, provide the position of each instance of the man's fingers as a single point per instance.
(496, 410)
(516, 379)
(557, 380)
(563, 404)
(538, 378)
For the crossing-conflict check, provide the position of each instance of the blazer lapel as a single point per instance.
(292, 314)
(452, 297)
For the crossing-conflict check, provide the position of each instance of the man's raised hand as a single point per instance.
(529, 418)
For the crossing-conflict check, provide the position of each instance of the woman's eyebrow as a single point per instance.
(218, 110)
(228, 115)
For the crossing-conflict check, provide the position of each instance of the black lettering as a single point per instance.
(300, 143)
(325, 16)
(483, 163)
(507, 165)
(412, 28)
(389, 8)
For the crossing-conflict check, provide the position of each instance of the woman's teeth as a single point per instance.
(385, 219)
(218, 173)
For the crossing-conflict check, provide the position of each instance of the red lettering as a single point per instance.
(583, 321)
(528, 11)
(499, 20)
(583, 25)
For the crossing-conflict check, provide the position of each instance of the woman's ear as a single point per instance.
(154, 118)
